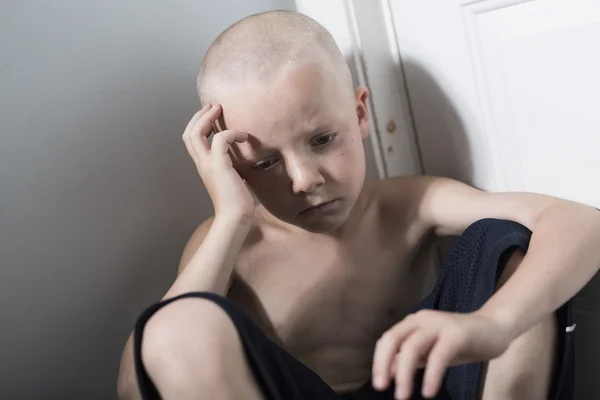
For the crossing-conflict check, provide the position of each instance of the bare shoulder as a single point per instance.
(400, 200)
(401, 194)
(446, 206)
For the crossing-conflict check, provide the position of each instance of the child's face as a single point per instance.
(305, 146)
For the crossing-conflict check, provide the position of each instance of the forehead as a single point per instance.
(300, 99)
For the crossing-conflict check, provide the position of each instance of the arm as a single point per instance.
(208, 259)
(217, 269)
(127, 388)
(563, 254)
(562, 257)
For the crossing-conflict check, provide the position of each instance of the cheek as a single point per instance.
(346, 163)
(258, 186)
(268, 191)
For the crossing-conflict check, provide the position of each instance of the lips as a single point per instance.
(324, 207)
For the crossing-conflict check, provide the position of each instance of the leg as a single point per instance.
(192, 350)
(203, 347)
(484, 257)
(525, 369)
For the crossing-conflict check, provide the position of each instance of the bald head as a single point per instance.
(262, 47)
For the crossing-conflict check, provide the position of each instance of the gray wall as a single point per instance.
(97, 194)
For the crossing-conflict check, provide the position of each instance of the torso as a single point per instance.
(327, 300)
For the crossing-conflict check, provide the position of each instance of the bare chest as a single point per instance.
(315, 296)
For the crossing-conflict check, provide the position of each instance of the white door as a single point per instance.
(505, 94)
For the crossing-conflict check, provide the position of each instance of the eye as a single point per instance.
(325, 139)
(265, 164)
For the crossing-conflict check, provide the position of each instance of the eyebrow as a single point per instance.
(258, 148)
(322, 129)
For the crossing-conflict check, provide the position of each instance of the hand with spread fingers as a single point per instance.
(434, 340)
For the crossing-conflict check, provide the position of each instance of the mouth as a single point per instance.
(327, 207)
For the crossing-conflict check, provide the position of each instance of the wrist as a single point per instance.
(237, 221)
(504, 317)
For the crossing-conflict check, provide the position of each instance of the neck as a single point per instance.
(355, 217)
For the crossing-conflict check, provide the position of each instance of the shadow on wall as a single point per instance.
(442, 138)
(445, 150)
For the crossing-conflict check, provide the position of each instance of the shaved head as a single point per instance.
(261, 47)
(280, 77)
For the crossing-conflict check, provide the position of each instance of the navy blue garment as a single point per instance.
(467, 280)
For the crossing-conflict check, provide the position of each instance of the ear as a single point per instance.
(362, 111)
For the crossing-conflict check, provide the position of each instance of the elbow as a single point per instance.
(127, 388)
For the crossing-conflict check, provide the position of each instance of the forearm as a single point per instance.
(127, 388)
(209, 269)
(211, 266)
(564, 254)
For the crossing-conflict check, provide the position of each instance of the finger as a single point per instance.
(411, 351)
(196, 116)
(438, 361)
(197, 145)
(206, 123)
(222, 141)
(203, 124)
(420, 364)
(385, 350)
(186, 137)
(210, 109)
(394, 363)
(197, 135)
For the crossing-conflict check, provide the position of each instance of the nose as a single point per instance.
(305, 175)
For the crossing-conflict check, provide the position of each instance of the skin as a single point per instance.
(306, 152)
(341, 307)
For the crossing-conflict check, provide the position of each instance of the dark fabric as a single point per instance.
(468, 278)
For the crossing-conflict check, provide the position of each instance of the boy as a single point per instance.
(304, 296)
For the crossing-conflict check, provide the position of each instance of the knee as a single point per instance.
(186, 337)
